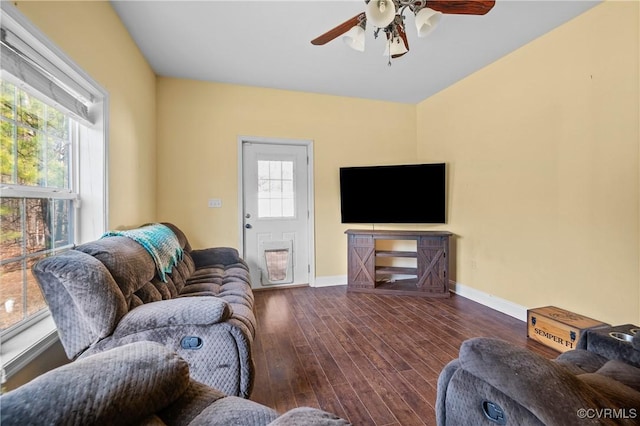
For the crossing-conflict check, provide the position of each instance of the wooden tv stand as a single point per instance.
(432, 265)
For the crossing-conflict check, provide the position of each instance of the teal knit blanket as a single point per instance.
(161, 243)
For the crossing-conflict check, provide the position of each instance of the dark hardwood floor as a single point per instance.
(371, 359)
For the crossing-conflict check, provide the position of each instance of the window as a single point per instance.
(52, 174)
(275, 189)
(36, 220)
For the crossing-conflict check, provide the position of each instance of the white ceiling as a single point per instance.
(267, 44)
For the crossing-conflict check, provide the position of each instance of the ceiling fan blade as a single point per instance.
(403, 36)
(462, 7)
(338, 31)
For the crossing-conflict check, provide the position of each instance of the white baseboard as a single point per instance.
(330, 281)
(493, 302)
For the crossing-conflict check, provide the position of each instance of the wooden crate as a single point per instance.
(558, 328)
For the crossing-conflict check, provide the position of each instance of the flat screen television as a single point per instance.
(408, 193)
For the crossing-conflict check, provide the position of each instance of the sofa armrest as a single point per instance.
(236, 411)
(123, 385)
(190, 405)
(309, 417)
(202, 310)
(215, 256)
(546, 389)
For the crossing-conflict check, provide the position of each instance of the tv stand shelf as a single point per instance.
(391, 253)
(430, 277)
(396, 270)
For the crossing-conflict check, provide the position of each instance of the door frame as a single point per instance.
(308, 143)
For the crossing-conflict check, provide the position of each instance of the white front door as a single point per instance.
(276, 217)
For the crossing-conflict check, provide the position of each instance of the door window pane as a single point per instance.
(287, 207)
(275, 189)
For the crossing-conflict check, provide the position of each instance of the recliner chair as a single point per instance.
(495, 382)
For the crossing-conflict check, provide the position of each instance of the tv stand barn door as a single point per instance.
(429, 277)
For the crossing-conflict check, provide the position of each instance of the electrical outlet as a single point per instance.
(215, 203)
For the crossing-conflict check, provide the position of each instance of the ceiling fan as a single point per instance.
(388, 16)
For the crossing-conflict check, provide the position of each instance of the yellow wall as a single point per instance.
(94, 37)
(543, 173)
(198, 128)
(543, 150)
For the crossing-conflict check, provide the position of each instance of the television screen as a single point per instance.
(409, 193)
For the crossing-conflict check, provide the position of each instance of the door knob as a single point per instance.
(248, 226)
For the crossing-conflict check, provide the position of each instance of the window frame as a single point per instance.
(24, 341)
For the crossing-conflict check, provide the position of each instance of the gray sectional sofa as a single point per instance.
(110, 292)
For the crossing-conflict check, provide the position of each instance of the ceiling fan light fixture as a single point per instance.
(427, 20)
(395, 46)
(354, 38)
(387, 17)
(380, 12)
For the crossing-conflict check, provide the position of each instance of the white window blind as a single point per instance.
(30, 76)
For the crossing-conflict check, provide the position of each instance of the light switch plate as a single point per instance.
(215, 203)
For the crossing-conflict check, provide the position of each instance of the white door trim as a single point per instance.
(310, 194)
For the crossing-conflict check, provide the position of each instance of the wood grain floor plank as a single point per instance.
(413, 397)
(326, 397)
(307, 399)
(376, 407)
(399, 408)
(355, 409)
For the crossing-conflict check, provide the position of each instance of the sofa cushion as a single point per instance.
(128, 262)
(212, 274)
(622, 372)
(164, 287)
(212, 256)
(151, 293)
(200, 289)
(123, 386)
(616, 394)
(84, 300)
(196, 398)
(308, 416)
(169, 313)
(235, 411)
(230, 284)
(182, 238)
(579, 361)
